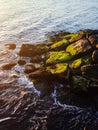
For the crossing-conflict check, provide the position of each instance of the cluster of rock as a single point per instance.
(72, 54)
(68, 55)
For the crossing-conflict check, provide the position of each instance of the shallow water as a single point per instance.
(30, 21)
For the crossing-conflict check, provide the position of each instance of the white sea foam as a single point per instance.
(23, 79)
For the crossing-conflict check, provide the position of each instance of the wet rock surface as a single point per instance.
(43, 78)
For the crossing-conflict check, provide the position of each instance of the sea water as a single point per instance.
(30, 21)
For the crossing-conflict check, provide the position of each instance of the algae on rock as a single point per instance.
(57, 57)
(79, 48)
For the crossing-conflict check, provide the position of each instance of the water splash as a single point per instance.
(58, 103)
(24, 80)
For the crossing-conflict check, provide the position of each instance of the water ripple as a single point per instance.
(30, 21)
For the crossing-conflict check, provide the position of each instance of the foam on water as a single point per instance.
(58, 103)
(23, 80)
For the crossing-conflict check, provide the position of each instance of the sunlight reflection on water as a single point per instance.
(30, 21)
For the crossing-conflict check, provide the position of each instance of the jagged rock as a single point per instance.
(76, 64)
(79, 48)
(95, 56)
(60, 71)
(67, 39)
(90, 71)
(93, 39)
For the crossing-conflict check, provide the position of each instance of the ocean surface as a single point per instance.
(30, 21)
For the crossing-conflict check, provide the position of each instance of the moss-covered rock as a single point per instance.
(57, 68)
(57, 57)
(60, 45)
(76, 64)
(74, 36)
(60, 71)
(79, 48)
(81, 61)
(66, 53)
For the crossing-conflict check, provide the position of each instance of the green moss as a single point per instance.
(57, 57)
(72, 37)
(82, 61)
(58, 68)
(59, 44)
(71, 49)
(77, 63)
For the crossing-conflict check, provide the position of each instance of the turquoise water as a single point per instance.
(29, 21)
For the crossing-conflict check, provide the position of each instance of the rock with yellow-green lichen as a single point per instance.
(59, 72)
(57, 57)
(67, 54)
(67, 39)
(60, 69)
(79, 48)
(60, 45)
(76, 64)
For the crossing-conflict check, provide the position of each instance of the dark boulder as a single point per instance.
(95, 56)
(90, 71)
(93, 39)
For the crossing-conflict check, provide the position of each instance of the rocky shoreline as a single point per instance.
(64, 70)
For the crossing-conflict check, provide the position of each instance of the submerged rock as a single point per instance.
(11, 46)
(29, 68)
(8, 66)
(21, 62)
(29, 50)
